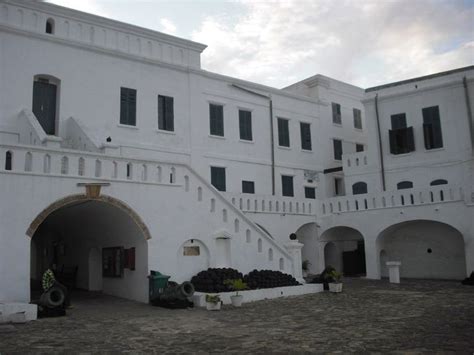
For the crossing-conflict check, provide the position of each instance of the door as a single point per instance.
(44, 105)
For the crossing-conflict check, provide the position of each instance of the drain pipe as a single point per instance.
(272, 140)
(469, 111)
(382, 165)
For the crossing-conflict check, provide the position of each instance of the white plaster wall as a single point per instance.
(409, 244)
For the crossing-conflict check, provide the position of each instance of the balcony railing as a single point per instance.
(400, 198)
(271, 204)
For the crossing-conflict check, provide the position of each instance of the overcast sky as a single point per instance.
(363, 42)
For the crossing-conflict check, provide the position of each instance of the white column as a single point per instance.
(469, 252)
(372, 262)
(294, 248)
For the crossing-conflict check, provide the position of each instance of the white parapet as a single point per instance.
(199, 298)
(17, 312)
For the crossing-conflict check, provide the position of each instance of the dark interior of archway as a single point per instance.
(354, 261)
(65, 238)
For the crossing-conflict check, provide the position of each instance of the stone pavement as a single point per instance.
(415, 316)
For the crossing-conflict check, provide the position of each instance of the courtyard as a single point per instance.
(415, 316)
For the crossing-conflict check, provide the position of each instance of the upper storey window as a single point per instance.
(357, 118)
(165, 113)
(305, 131)
(336, 113)
(432, 128)
(50, 26)
(283, 133)
(216, 120)
(401, 137)
(128, 106)
(337, 146)
(245, 125)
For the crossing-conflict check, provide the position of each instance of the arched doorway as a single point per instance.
(344, 250)
(95, 244)
(426, 249)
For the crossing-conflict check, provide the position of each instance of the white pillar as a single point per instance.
(294, 248)
(372, 263)
(469, 252)
(394, 271)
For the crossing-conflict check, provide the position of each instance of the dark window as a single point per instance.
(404, 185)
(305, 130)
(337, 144)
(336, 113)
(401, 137)
(359, 188)
(357, 118)
(50, 26)
(309, 192)
(283, 133)
(337, 186)
(8, 160)
(165, 113)
(432, 128)
(248, 187)
(218, 178)
(359, 147)
(399, 121)
(216, 120)
(287, 185)
(245, 125)
(438, 182)
(128, 106)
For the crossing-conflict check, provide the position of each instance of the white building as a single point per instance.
(113, 141)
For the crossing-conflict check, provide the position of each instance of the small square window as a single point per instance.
(359, 148)
(248, 187)
(310, 192)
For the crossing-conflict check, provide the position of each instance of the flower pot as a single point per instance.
(237, 300)
(335, 287)
(210, 306)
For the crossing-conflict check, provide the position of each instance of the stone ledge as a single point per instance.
(17, 312)
(199, 298)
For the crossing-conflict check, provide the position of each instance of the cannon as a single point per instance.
(174, 295)
(53, 301)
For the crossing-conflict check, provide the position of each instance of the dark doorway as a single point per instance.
(44, 105)
(354, 261)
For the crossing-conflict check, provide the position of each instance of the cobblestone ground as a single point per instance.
(416, 316)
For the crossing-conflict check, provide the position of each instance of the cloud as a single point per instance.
(362, 42)
(168, 26)
(90, 6)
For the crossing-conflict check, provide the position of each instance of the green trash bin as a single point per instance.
(157, 282)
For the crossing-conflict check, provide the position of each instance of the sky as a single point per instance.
(279, 42)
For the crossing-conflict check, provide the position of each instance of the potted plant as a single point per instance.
(305, 266)
(335, 285)
(236, 285)
(213, 302)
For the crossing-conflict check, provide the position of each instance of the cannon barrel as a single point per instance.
(177, 292)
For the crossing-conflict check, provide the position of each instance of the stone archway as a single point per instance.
(97, 243)
(345, 248)
(79, 198)
(426, 249)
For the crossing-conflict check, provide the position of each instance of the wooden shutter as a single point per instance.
(428, 135)
(392, 135)
(283, 133)
(216, 120)
(305, 130)
(128, 106)
(248, 187)
(398, 121)
(245, 125)
(410, 139)
(287, 185)
(169, 113)
(161, 112)
(132, 107)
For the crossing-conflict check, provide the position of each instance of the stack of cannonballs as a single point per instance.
(268, 279)
(212, 280)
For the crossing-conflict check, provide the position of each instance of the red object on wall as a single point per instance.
(129, 262)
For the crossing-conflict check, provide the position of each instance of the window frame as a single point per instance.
(357, 118)
(283, 125)
(310, 188)
(336, 113)
(248, 182)
(285, 189)
(221, 169)
(432, 125)
(165, 124)
(334, 140)
(303, 140)
(248, 129)
(125, 110)
(221, 119)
